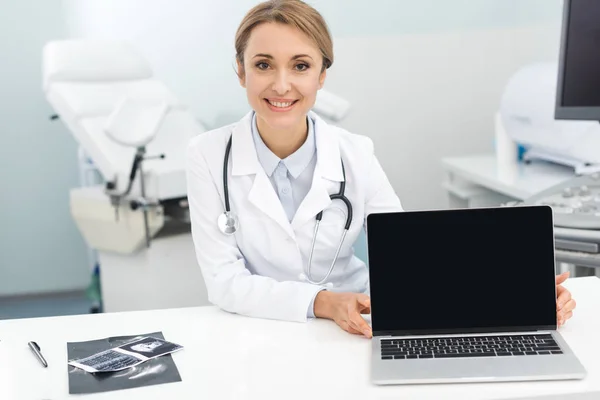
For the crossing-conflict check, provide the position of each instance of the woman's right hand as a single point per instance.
(345, 309)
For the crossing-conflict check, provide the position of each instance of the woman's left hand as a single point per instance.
(564, 303)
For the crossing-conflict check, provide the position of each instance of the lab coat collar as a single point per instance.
(245, 160)
(328, 168)
(328, 149)
(266, 157)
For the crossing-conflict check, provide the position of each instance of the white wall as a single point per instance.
(433, 97)
(40, 248)
(424, 77)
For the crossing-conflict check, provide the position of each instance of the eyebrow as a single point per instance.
(270, 57)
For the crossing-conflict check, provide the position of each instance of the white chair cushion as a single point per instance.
(74, 100)
(92, 61)
(135, 122)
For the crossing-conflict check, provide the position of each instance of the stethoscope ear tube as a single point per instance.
(225, 185)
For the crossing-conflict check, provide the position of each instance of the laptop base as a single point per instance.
(480, 369)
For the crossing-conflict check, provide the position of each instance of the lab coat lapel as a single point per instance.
(263, 196)
(245, 162)
(316, 200)
(328, 169)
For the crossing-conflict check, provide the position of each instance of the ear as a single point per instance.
(241, 74)
(322, 78)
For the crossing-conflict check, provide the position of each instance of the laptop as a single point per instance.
(465, 295)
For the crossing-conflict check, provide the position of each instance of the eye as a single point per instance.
(302, 67)
(262, 65)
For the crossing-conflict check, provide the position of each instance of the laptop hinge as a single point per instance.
(464, 332)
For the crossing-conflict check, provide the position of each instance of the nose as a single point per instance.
(282, 84)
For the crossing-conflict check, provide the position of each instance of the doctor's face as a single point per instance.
(281, 74)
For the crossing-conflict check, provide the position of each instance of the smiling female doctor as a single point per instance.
(275, 171)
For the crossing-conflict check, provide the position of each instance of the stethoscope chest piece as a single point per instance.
(228, 223)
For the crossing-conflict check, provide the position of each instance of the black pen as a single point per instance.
(38, 352)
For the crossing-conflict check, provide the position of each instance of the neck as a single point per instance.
(283, 142)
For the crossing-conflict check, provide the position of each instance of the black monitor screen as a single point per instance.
(456, 271)
(579, 76)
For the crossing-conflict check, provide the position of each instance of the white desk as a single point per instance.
(474, 180)
(233, 357)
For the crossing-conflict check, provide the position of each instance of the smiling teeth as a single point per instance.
(280, 105)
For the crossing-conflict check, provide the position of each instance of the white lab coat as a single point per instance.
(256, 272)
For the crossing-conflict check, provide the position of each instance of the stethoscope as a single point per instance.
(229, 223)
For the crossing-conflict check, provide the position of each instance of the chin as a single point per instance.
(282, 120)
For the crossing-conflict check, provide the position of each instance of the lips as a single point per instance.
(279, 105)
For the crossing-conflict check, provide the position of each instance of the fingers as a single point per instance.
(562, 321)
(364, 301)
(570, 306)
(364, 304)
(563, 297)
(356, 321)
(562, 277)
(345, 326)
(566, 312)
(347, 312)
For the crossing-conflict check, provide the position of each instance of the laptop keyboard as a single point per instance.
(476, 346)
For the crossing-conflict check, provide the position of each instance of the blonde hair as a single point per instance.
(295, 13)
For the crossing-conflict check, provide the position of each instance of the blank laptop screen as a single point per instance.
(455, 271)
